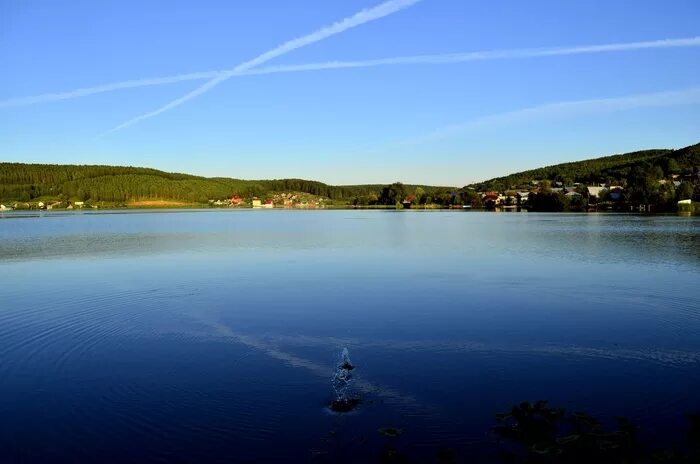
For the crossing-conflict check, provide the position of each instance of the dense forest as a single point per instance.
(26, 182)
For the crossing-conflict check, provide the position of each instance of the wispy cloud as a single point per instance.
(402, 60)
(571, 108)
(364, 16)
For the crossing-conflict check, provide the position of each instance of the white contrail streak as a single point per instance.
(689, 96)
(364, 16)
(84, 92)
(418, 59)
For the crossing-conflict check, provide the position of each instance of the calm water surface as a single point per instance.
(211, 336)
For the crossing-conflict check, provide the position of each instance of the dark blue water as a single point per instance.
(212, 336)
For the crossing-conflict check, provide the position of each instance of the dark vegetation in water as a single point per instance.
(345, 405)
(535, 433)
(390, 432)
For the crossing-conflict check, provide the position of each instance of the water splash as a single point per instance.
(341, 381)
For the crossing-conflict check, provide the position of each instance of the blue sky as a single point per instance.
(361, 125)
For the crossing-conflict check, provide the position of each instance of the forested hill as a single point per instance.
(616, 168)
(25, 182)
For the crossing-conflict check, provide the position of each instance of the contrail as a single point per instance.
(84, 92)
(689, 96)
(417, 59)
(364, 16)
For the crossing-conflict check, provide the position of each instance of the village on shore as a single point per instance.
(674, 193)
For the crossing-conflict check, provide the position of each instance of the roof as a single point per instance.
(595, 191)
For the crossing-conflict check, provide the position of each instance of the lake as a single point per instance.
(212, 336)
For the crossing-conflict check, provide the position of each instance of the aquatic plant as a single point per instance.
(537, 433)
(390, 432)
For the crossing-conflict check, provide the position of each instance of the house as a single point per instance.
(41, 205)
(573, 194)
(490, 199)
(236, 200)
(594, 192)
(80, 204)
(522, 197)
(557, 190)
(268, 204)
(4, 208)
(509, 199)
(257, 203)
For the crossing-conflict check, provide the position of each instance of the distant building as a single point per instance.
(4, 208)
(269, 204)
(257, 203)
(594, 192)
(490, 199)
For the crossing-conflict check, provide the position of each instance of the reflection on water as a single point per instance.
(212, 336)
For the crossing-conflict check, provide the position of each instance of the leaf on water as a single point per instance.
(568, 439)
(390, 432)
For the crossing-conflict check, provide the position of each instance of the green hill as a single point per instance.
(620, 169)
(26, 182)
(639, 172)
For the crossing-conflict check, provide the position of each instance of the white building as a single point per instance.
(595, 192)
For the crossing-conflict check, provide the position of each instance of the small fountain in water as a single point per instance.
(342, 378)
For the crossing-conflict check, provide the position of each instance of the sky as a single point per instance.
(531, 99)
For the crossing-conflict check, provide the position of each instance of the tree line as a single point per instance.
(26, 182)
